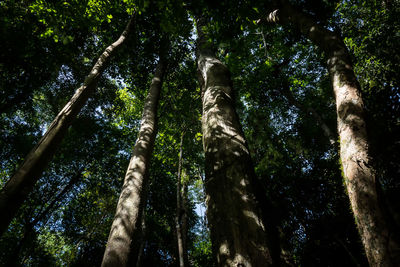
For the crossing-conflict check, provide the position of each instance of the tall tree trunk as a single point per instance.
(17, 189)
(142, 240)
(8, 104)
(380, 244)
(184, 221)
(346, 248)
(30, 226)
(180, 212)
(238, 232)
(124, 239)
(387, 4)
(309, 110)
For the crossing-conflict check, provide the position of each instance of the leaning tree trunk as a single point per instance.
(238, 232)
(29, 228)
(124, 239)
(17, 189)
(380, 244)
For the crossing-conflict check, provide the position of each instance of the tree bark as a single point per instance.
(184, 222)
(29, 228)
(345, 247)
(237, 229)
(17, 189)
(124, 239)
(380, 244)
(17, 99)
(326, 130)
(180, 216)
(142, 240)
(308, 110)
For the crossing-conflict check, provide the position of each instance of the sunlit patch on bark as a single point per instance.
(237, 230)
(125, 229)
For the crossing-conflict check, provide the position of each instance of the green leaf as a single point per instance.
(198, 136)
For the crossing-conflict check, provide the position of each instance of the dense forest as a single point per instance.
(199, 133)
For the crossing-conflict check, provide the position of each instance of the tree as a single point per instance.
(16, 190)
(238, 235)
(380, 244)
(277, 96)
(123, 241)
(181, 210)
(29, 228)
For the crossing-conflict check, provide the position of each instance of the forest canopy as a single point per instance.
(199, 133)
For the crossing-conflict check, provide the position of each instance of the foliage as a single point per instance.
(47, 48)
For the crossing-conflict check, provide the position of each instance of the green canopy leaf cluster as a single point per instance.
(47, 48)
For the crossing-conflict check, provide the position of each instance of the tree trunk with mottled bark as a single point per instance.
(380, 243)
(17, 189)
(237, 228)
(124, 239)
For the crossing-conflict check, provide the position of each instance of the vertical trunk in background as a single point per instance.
(238, 232)
(180, 215)
(142, 240)
(184, 221)
(124, 239)
(309, 110)
(380, 244)
(17, 189)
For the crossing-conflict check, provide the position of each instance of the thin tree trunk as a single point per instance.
(380, 244)
(309, 110)
(17, 189)
(123, 241)
(387, 4)
(8, 104)
(29, 227)
(237, 229)
(180, 211)
(345, 247)
(327, 131)
(142, 240)
(184, 220)
(179, 208)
